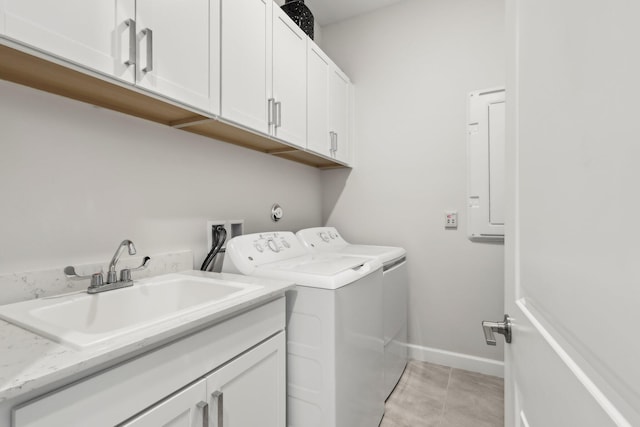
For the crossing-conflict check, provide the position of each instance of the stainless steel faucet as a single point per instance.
(112, 276)
(97, 283)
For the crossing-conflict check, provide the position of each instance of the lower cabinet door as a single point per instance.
(186, 408)
(250, 391)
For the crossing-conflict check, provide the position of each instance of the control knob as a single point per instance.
(273, 245)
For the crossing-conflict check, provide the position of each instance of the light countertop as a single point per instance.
(30, 362)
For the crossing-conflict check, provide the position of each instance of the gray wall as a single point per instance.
(75, 180)
(412, 65)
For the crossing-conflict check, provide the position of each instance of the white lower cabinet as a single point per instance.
(252, 381)
(232, 374)
(251, 390)
(186, 408)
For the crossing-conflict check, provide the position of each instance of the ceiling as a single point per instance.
(328, 12)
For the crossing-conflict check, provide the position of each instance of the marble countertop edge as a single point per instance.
(30, 362)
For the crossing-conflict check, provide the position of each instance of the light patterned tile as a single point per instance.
(431, 395)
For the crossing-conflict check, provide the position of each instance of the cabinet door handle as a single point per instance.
(149, 34)
(270, 111)
(335, 137)
(132, 42)
(278, 114)
(204, 406)
(219, 402)
(332, 149)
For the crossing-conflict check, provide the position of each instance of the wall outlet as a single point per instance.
(451, 219)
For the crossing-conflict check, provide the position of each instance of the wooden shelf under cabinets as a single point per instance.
(39, 73)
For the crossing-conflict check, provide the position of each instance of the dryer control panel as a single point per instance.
(319, 238)
(248, 251)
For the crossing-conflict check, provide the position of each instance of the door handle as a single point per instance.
(278, 106)
(149, 35)
(503, 328)
(270, 112)
(219, 402)
(132, 42)
(204, 407)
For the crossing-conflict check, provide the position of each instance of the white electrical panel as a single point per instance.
(486, 164)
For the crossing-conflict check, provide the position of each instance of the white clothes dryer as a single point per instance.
(395, 293)
(334, 328)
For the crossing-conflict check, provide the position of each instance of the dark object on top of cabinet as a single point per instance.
(300, 14)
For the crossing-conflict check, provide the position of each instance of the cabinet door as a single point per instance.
(245, 65)
(187, 408)
(250, 390)
(173, 49)
(318, 132)
(289, 79)
(91, 33)
(339, 88)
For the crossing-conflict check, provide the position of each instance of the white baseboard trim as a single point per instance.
(457, 360)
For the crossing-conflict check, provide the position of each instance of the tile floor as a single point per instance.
(431, 395)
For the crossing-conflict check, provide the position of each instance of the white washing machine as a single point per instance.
(395, 290)
(334, 328)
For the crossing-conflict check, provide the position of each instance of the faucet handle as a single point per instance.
(96, 278)
(125, 273)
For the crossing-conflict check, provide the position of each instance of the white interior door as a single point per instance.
(572, 245)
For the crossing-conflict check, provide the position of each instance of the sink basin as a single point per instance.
(82, 320)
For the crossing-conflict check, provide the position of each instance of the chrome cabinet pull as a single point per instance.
(503, 328)
(333, 143)
(132, 42)
(204, 406)
(219, 402)
(278, 114)
(149, 34)
(270, 111)
(335, 137)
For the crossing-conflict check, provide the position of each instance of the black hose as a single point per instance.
(219, 236)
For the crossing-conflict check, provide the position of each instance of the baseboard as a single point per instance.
(457, 360)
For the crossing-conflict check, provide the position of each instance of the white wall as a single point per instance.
(75, 180)
(412, 65)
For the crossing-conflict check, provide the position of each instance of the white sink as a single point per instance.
(82, 320)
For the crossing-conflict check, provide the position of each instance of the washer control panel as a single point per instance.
(321, 237)
(251, 250)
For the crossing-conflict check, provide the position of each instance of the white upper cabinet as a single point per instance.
(244, 61)
(328, 92)
(339, 90)
(319, 136)
(245, 65)
(174, 49)
(289, 80)
(92, 33)
(164, 46)
(263, 79)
